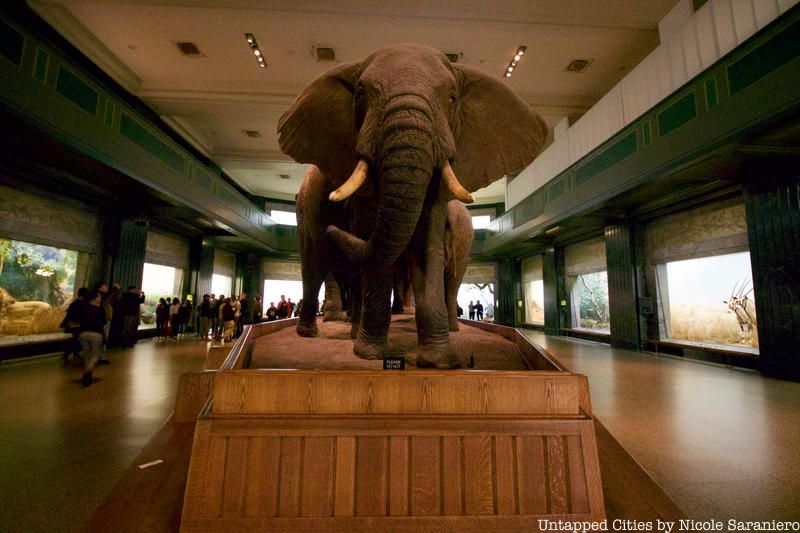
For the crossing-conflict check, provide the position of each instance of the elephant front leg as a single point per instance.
(372, 339)
(431, 314)
(312, 281)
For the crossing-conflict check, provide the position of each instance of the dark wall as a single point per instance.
(509, 291)
(773, 216)
(620, 259)
(129, 257)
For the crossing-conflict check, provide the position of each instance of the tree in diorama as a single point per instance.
(593, 294)
(33, 272)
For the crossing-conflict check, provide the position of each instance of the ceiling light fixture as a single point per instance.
(251, 40)
(579, 65)
(554, 229)
(513, 63)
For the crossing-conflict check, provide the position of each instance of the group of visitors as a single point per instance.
(286, 308)
(475, 310)
(172, 317)
(103, 318)
(224, 318)
(98, 319)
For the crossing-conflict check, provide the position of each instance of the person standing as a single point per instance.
(129, 305)
(206, 314)
(162, 318)
(174, 318)
(283, 307)
(243, 311)
(185, 316)
(258, 310)
(91, 337)
(228, 317)
(478, 310)
(105, 303)
(218, 326)
(471, 309)
(115, 327)
(272, 312)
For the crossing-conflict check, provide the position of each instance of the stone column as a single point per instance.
(130, 252)
(622, 291)
(773, 227)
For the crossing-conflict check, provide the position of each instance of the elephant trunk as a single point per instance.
(407, 159)
(407, 164)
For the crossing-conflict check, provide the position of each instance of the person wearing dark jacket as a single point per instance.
(228, 319)
(129, 307)
(206, 315)
(72, 325)
(93, 323)
(162, 317)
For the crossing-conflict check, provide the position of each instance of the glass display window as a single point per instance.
(589, 296)
(709, 301)
(37, 283)
(158, 281)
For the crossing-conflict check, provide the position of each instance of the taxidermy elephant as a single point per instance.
(398, 136)
(458, 237)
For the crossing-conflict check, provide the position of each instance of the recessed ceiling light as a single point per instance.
(252, 133)
(578, 65)
(251, 40)
(284, 176)
(514, 60)
(189, 49)
(325, 53)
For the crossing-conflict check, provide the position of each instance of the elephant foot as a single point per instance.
(453, 326)
(331, 317)
(440, 357)
(305, 329)
(365, 349)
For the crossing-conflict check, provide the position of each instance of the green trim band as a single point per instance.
(677, 114)
(131, 129)
(76, 91)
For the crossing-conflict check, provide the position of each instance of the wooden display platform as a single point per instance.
(330, 452)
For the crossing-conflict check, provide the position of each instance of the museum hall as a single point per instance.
(519, 265)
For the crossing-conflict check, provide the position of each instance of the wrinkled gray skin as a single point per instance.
(407, 111)
(458, 237)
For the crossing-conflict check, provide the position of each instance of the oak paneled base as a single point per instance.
(317, 462)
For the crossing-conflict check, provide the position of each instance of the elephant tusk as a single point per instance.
(453, 185)
(352, 184)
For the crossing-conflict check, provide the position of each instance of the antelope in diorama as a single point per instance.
(743, 309)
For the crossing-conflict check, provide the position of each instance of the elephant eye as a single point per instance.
(452, 99)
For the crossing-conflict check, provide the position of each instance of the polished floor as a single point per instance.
(63, 447)
(723, 443)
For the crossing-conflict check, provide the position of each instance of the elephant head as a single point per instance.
(411, 131)
(401, 118)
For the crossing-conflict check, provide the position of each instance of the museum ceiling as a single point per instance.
(220, 100)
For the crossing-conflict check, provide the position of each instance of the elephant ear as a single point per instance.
(319, 127)
(496, 133)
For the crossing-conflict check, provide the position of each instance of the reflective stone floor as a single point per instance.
(63, 447)
(722, 443)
